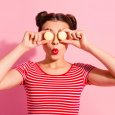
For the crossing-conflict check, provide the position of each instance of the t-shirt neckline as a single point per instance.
(54, 74)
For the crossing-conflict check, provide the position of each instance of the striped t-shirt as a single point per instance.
(53, 94)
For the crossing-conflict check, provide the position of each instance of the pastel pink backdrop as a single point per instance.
(95, 17)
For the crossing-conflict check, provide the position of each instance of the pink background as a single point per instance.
(95, 17)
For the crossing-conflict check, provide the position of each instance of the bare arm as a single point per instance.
(10, 77)
(96, 76)
(105, 58)
(102, 77)
(9, 60)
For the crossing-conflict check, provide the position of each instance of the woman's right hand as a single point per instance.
(33, 39)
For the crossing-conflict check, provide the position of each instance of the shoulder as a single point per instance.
(26, 65)
(84, 66)
(80, 64)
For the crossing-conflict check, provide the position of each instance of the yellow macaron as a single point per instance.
(62, 35)
(48, 35)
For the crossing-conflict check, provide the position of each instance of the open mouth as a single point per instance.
(55, 51)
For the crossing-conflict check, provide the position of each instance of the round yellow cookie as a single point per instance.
(48, 35)
(62, 35)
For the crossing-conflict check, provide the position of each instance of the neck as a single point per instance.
(54, 63)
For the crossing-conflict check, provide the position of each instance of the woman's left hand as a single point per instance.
(76, 38)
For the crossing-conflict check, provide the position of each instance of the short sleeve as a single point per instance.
(85, 68)
(23, 70)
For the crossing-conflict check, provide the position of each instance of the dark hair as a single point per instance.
(43, 16)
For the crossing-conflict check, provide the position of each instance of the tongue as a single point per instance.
(55, 51)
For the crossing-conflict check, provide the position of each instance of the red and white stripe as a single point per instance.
(53, 94)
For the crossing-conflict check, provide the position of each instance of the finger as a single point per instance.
(69, 36)
(74, 36)
(39, 37)
(26, 36)
(67, 41)
(36, 38)
(32, 35)
(43, 42)
(79, 34)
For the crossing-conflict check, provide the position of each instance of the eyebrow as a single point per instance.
(48, 29)
(52, 30)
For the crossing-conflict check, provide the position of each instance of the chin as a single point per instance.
(54, 57)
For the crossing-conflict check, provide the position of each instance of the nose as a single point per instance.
(55, 41)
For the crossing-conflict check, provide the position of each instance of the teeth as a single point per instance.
(48, 35)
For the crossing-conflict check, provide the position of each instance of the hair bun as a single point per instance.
(44, 16)
(40, 16)
(72, 20)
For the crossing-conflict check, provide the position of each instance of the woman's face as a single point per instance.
(55, 27)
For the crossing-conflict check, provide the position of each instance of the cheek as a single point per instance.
(64, 47)
(46, 47)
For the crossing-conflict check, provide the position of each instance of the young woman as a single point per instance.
(53, 86)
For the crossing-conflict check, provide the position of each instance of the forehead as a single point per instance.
(55, 25)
